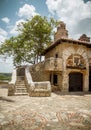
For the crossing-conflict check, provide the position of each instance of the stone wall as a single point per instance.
(57, 50)
(38, 73)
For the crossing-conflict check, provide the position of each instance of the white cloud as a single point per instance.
(6, 66)
(3, 32)
(3, 35)
(14, 28)
(70, 11)
(2, 38)
(27, 11)
(6, 20)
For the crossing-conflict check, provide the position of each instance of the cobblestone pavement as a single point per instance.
(58, 112)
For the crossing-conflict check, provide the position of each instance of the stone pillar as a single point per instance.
(86, 83)
(86, 80)
(65, 86)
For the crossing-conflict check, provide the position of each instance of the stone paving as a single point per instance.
(58, 112)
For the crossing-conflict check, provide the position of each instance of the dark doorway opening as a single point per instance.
(90, 78)
(75, 82)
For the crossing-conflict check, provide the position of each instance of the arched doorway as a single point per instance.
(75, 82)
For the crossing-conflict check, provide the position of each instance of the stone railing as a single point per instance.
(29, 80)
(37, 89)
(11, 88)
(53, 64)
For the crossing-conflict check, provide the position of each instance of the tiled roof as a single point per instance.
(59, 41)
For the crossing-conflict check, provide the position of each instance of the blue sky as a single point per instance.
(75, 13)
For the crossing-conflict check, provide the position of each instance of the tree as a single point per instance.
(35, 36)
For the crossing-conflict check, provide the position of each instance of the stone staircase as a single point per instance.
(20, 88)
(22, 84)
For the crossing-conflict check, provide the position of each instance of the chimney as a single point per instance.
(61, 31)
(84, 37)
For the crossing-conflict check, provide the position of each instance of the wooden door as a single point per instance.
(75, 82)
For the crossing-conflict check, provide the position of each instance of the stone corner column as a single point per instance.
(86, 83)
(65, 85)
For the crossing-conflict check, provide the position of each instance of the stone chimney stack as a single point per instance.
(61, 31)
(84, 37)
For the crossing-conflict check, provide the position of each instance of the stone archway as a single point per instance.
(75, 82)
(75, 60)
(71, 51)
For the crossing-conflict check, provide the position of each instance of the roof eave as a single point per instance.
(59, 41)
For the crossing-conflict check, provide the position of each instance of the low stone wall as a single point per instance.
(11, 90)
(37, 89)
(41, 89)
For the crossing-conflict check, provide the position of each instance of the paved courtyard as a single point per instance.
(58, 112)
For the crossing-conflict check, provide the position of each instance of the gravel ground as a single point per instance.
(58, 112)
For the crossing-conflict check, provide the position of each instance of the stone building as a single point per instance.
(67, 63)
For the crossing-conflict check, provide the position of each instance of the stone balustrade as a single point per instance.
(29, 80)
(11, 88)
(53, 64)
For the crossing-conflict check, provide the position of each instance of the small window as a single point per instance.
(56, 55)
(55, 79)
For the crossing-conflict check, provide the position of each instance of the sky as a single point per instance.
(75, 13)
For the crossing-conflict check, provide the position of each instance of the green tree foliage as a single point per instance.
(35, 35)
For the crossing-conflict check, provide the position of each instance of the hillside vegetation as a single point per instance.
(5, 76)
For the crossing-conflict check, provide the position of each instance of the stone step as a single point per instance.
(21, 90)
(20, 86)
(20, 94)
(20, 83)
(20, 80)
(24, 86)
